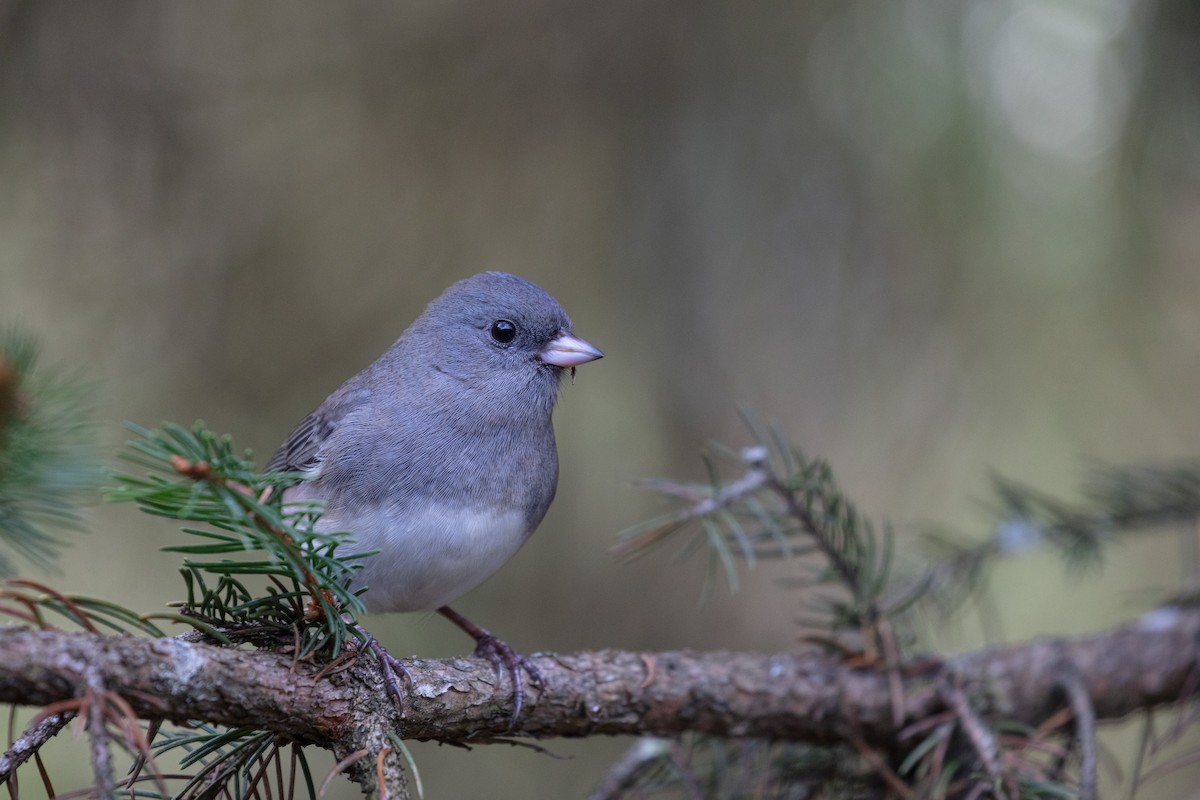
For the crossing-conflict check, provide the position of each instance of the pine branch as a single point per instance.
(31, 741)
(1117, 503)
(196, 476)
(799, 697)
(48, 459)
(784, 504)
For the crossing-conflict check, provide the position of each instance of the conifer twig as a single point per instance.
(1085, 731)
(35, 735)
(95, 705)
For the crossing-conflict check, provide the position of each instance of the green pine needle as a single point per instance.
(242, 534)
(780, 505)
(49, 463)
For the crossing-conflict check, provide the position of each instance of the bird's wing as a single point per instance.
(302, 449)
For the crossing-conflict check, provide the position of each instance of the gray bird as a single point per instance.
(441, 454)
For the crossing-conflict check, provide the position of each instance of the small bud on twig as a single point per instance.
(196, 470)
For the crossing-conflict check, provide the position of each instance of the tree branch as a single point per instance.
(28, 743)
(795, 696)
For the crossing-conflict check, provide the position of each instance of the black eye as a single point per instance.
(504, 331)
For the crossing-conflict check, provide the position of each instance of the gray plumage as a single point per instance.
(441, 454)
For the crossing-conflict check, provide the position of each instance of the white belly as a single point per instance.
(428, 559)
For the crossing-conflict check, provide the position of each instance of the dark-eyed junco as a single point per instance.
(441, 454)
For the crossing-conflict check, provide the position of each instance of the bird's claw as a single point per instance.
(501, 656)
(390, 668)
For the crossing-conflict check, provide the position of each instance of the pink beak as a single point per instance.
(569, 351)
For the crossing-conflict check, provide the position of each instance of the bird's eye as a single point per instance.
(504, 331)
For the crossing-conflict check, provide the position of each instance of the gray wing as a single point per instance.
(302, 449)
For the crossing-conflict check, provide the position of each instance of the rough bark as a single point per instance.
(797, 696)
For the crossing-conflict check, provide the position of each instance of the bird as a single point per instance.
(441, 455)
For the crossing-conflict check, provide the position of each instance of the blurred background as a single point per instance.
(928, 238)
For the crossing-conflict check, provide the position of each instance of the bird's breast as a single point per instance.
(428, 557)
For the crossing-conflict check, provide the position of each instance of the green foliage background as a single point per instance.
(928, 239)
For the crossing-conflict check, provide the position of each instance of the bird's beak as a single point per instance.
(569, 351)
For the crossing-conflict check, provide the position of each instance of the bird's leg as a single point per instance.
(500, 655)
(389, 668)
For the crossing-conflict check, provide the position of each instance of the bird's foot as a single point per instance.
(501, 656)
(390, 669)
